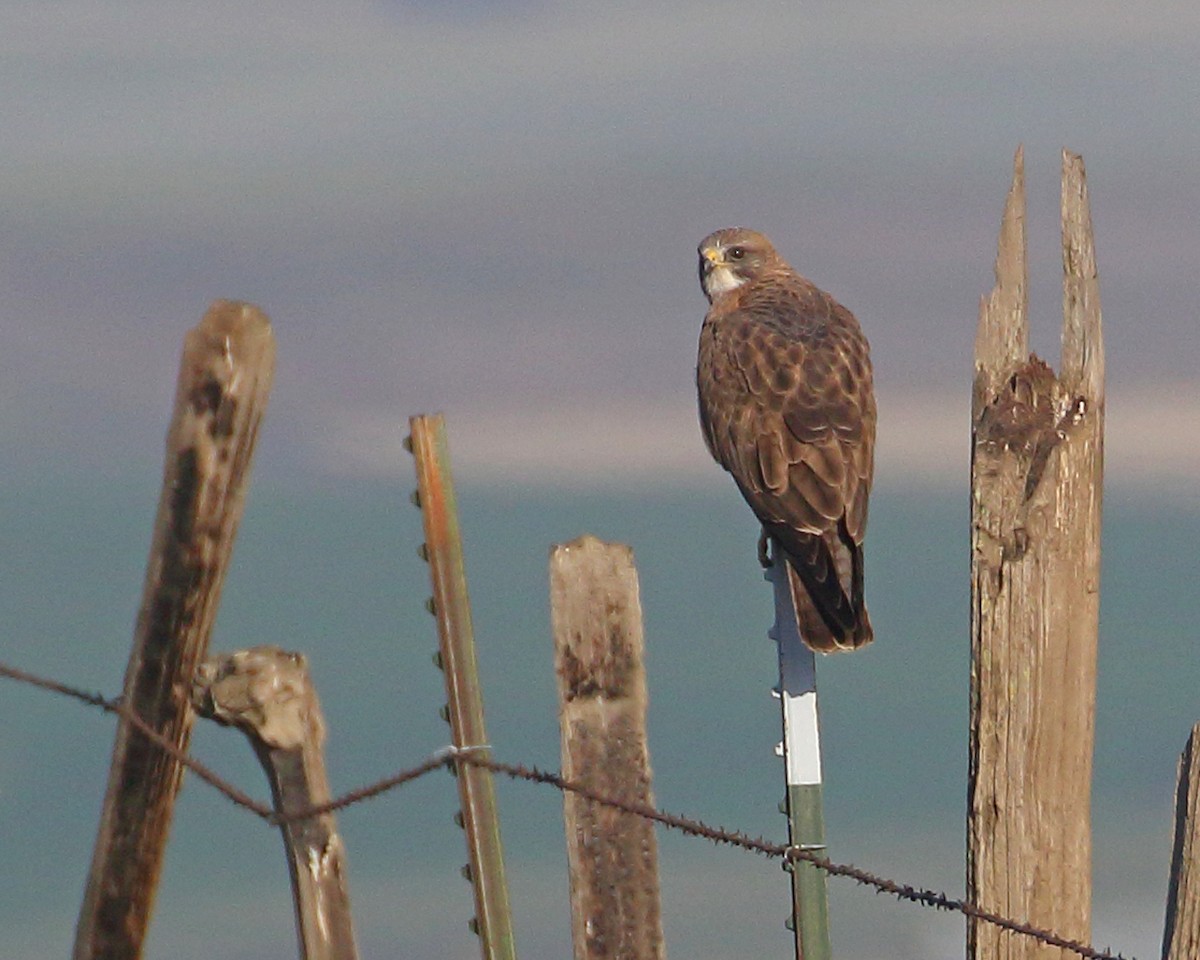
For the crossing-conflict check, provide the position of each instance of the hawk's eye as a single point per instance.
(737, 253)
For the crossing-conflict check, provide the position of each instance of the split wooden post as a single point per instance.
(224, 380)
(596, 615)
(268, 695)
(1036, 488)
(464, 709)
(800, 749)
(1181, 932)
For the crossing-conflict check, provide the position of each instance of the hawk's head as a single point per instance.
(731, 257)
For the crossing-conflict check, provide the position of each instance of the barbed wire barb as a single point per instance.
(116, 707)
(532, 774)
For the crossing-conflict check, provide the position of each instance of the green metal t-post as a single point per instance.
(801, 752)
(464, 694)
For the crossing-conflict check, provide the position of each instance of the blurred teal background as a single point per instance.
(491, 209)
(333, 572)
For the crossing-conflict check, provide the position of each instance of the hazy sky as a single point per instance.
(493, 208)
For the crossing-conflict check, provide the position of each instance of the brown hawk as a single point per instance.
(787, 407)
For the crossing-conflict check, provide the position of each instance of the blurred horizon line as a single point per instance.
(923, 438)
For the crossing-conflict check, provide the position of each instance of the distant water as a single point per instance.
(334, 573)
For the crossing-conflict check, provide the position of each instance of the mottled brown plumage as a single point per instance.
(787, 407)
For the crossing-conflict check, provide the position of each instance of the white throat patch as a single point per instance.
(722, 280)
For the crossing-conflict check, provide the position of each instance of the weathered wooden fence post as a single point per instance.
(268, 695)
(464, 709)
(598, 646)
(1181, 932)
(224, 379)
(1036, 484)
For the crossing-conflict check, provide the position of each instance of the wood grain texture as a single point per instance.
(1037, 473)
(1002, 337)
(224, 380)
(1181, 932)
(268, 695)
(598, 649)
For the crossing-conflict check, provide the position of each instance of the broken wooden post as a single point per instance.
(1036, 487)
(1181, 932)
(268, 695)
(464, 708)
(613, 856)
(224, 379)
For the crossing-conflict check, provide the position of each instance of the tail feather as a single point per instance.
(827, 634)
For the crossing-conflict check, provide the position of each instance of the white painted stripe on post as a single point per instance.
(797, 686)
(803, 738)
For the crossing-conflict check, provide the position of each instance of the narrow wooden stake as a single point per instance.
(801, 752)
(1036, 487)
(1181, 932)
(224, 379)
(456, 639)
(268, 695)
(598, 647)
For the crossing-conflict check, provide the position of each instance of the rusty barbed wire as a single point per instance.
(930, 898)
(117, 707)
(449, 757)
